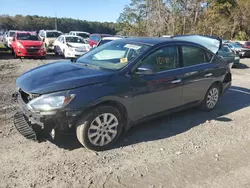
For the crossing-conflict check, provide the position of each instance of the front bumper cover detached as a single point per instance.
(36, 127)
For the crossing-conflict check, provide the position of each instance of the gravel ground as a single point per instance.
(190, 149)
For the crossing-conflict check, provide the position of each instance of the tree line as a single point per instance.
(229, 19)
(35, 23)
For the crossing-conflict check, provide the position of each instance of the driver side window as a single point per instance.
(163, 59)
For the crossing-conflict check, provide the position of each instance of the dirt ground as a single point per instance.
(191, 149)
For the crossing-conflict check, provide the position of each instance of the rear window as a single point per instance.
(83, 35)
(11, 33)
(53, 34)
(193, 56)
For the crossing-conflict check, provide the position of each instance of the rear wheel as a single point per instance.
(55, 51)
(100, 128)
(211, 98)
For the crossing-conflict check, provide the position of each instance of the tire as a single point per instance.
(14, 53)
(214, 93)
(64, 57)
(101, 132)
(56, 53)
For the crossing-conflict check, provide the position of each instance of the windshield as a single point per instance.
(75, 40)
(113, 55)
(235, 45)
(26, 36)
(11, 33)
(248, 43)
(53, 34)
(83, 35)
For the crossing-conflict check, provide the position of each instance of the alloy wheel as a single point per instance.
(103, 129)
(212, 98)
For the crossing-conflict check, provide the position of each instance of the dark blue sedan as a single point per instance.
(117, 85)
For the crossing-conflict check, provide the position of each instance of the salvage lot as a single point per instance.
(187, 149)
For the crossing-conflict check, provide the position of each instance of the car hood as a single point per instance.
(60, 76)
(210, 42)
(30, 42)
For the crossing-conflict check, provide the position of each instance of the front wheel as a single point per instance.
(100, 128)
(211, 99)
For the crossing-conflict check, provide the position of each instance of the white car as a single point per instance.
(70, 46)
(107, 39)
(8, 38)
(82, 34)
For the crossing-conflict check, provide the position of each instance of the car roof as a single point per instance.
(149, 40)
(153, 41)
(70, 36)
(111, 38)
(79, 32)
(103, 35)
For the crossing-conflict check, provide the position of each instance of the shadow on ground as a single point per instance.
(235, 99)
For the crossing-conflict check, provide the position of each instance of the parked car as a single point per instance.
(70, 46)
(117, 85)
(226, 53)
(26, 44)
(49, 37)
(8, 38)
(82, 34)
(237, 49)
(1, 36)
(105, 40)
(247, 44)
(95, 38)
(240, 44)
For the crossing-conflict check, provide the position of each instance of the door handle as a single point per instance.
(208, 74)
(176, 81)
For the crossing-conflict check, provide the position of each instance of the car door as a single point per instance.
(199, 72)
(60, 46)
(161, 90)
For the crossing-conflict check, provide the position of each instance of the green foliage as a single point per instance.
(228, 19)
(35, 23)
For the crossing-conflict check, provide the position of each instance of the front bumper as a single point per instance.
(30, 124)
(244, 54)
(74, 54)
(22, 52)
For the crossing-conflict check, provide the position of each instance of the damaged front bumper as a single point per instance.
(33, 125)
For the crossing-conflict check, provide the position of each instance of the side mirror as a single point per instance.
(43, 39)
(13, 39)
(145, 70)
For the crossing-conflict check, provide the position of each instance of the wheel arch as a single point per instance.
(219, 84)
(118, 105)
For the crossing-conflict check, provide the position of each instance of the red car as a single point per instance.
(27, 44)
(247, 44)
(95, 38)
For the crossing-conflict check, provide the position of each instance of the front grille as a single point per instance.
(23, 127)
(32, 49)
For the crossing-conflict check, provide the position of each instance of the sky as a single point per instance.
(90, 10)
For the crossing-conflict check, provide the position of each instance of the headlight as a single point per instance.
(50, 102)
(237, 58)
(19, 45)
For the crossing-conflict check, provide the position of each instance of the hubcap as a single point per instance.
(103, 129)
(212, 98)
